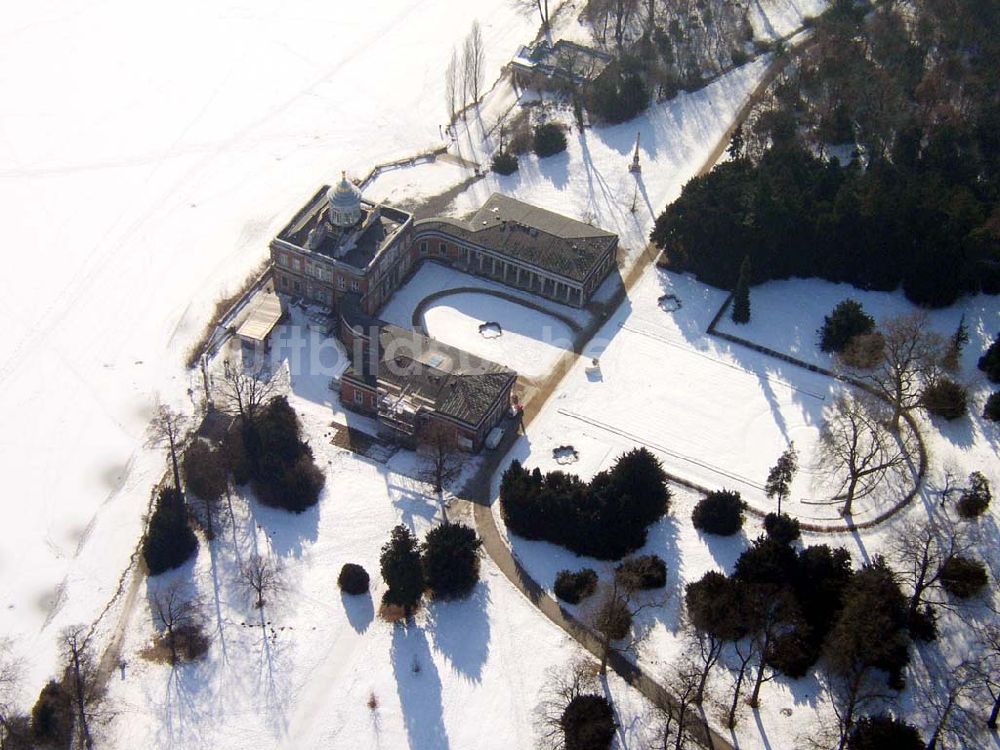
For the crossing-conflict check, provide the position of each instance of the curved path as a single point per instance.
(478, 490)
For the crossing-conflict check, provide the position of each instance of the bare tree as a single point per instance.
(477, 59)
(911, 358)
(945, 696)
(779, 478)
(11, 669)
(167, 429)
(206, 476)
(856, 446)
(988, 672)
(261, 576)
(851, 693)
(442, 457)
(622, 11)
(81, 679)
(675, 720)
(466, 77)
(244, 392)
(779, 614)
(451, 86)
(178, 613)
(920, 549)
(612, 620)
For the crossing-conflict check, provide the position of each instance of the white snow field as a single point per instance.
(147, 156)
(719, 414)
(467, 674)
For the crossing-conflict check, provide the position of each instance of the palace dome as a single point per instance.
(345, 203)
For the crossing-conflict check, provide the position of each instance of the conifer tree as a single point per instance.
(741, 296)
(402, 571)
(169, 540)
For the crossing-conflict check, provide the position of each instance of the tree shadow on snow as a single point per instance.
(419, 688)
(461, 631)
(556, 169)
(288, 532)
(360, 610)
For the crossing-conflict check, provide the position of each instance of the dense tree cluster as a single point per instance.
(605, 518)
(169, 540)
(619, 93)
(880, 732)
(575, 587)
(798, 215)
(720, 512)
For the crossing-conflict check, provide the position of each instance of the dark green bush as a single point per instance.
(992, 409)
(975, 499)
(882, 732)
(963, 577)
(52, 716)
(946, 398)
(549, 139)
(504, 163)
(719, 513)
(990, 361)
(353, 579)
(588, 723)
(575, 587)
(169, 540)
(642, 573)
(847, 320)
(450, 555)
(783, 529)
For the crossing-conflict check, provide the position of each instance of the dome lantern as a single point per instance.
(345, 203)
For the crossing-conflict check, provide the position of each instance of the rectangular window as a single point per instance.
(442, 249)
(282, 259)
(423, 248)
(284, 282)
(354, 286)
(359, 397)
(296, 286)
(341, 283)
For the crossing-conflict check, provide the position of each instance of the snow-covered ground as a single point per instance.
(774, 19)
(719, 414)
(148, 155)
(464, 675)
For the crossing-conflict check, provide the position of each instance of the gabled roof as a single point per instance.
(535, 236)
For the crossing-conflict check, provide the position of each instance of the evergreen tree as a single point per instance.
(402, 571)
(990, 361)
(169, 540)
(881, 732)
(741, 295)
(737, 144)
(450, 555)
(779, 478)
(956, 343)
(847, 320)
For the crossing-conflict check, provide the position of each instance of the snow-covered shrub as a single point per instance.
(782, 528)
(450, 556)
(976, 497)
(504, 163)
(963, 577)
(946, 398)
(353, 579)
(847, 320)
(992, 409)
(642, 572)
(549, 139)
(169, 540)
(588, 723)
(720, 513)
(575, 587)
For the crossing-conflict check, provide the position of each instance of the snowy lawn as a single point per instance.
(301, 672)
(528, 341)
